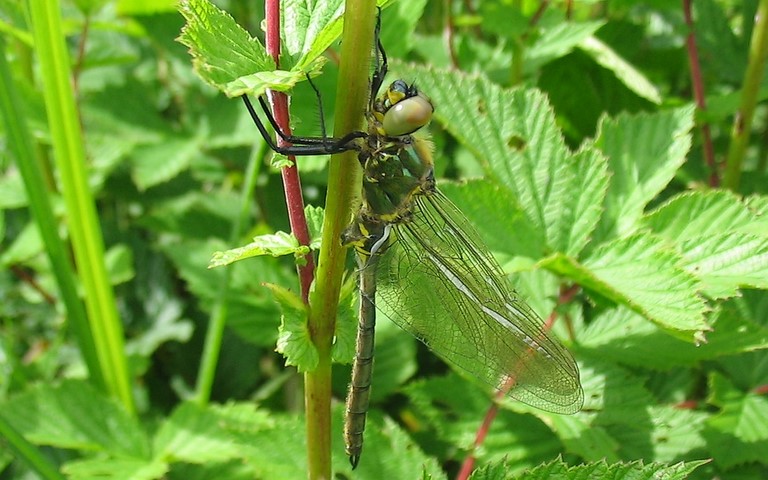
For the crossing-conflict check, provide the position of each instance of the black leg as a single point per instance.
(319, 106)
(323, 145)
(300, 145)
(381, 62)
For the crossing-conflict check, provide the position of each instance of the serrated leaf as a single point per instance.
(258, 439)
(276, 245)
(624, 71)
(695, 214)
(222, 50)
(739, 433)
(644, 151)
(759, 205)
(514, 136)
(709, 230)
(75, 415)
(640, 273)
(637, 470)
(196, 435)
(626, 337)
(294, 340)
(726, 262)
(280, 80)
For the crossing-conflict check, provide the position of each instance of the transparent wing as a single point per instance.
(439, 282)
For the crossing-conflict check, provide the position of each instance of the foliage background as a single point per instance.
(565, 132)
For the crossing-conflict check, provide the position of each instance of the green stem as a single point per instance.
(742, 124)
(28, 452)
(22, 147)
(84, 229)
(217, 320)
(343, 188)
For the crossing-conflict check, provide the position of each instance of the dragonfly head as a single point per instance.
(404, 109)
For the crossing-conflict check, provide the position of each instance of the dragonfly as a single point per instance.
(423, 264)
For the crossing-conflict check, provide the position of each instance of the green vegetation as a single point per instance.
(150, 300)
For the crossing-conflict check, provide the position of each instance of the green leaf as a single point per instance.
(759, 205)
(637, 470)
(691, 215)
(664, 433)
(514, 136)
(27, 244)
(644, 151)
(449, 409)
(738, 433)
(12, 193)
(258, 439)
(145, 7)
(345, 338)
(75, 415)
(626, 337)
(115, 469)
(395, 352)
(222, 50)
(709, 230)
(157, 163)
(196, 435)
(404, 15)
(228, 58)
(558, 41)
(389, 452)
(277, 245)
(726, 262)
(506, 230)
(315, 217)
(640, 273)
(624, 71)
(119, 260)
(293, 340)
(308, 29)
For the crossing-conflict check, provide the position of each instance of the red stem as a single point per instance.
(698, 93)
(566, 296)
(291, 182)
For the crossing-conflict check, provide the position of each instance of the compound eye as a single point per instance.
(407, 116)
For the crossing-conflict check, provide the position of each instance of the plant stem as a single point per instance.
(343, 187)
(742, 123)
(294, 198)
(218, 317)
(28, 452)
(20, 144)
(84, 229)
(698, 92)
